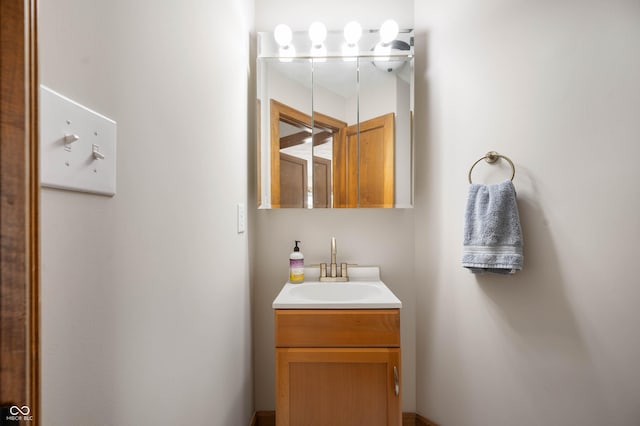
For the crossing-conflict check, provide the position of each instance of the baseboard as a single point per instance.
(268, 418)
(264, 418)
(413, 419)
(409, 419)
(423, 421)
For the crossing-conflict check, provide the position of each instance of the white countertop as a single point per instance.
(364, 290)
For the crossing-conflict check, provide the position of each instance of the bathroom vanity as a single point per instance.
(338, 353)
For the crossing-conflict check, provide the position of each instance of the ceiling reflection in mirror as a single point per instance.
(335, 131)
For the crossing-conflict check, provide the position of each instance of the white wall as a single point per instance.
(371, 237)
(146, 295)
(334, 13)
(553, 85)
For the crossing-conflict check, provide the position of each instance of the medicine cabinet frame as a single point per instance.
(359, 155)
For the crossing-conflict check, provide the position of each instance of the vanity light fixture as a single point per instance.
(382, 51)
(318, 34)
(384, 61)
(319, 52)
(283, 36)
(388, 31)
(349, 49)
(352, 35)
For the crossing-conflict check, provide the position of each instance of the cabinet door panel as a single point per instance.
(337, 387)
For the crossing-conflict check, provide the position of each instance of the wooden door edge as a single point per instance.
(20, 114)
(34, 214)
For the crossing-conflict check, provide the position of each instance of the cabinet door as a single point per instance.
(338, 387)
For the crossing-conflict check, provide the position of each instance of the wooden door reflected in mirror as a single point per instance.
(298, 139)
(352, 166)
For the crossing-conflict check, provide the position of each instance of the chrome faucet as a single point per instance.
(334, 275)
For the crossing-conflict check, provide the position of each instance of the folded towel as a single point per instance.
(492, 233)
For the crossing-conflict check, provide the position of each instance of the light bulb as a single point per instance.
(352, 32)
(317, 33)
(388, 31)
(283, 35)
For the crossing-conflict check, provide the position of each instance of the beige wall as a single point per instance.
(555, 86)
(145, 296)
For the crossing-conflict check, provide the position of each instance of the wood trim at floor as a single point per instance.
(423, 421)
(268, 418)
(413, 419)
(264, 418)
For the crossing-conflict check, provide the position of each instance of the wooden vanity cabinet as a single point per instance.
(338, 367)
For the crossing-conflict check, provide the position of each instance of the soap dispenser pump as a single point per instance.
(296, 265)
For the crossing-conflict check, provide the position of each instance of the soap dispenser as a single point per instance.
(296, 265)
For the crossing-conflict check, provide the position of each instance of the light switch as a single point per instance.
(77, 146)
(242, 218)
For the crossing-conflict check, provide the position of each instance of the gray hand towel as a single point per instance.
(492, 233)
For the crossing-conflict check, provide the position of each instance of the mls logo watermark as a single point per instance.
(17, 413)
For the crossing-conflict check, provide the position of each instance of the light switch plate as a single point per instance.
(242, 218)
(77, 146)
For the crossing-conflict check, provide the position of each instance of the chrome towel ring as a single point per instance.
(491, 157)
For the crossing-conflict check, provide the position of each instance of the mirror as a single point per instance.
(335, 130)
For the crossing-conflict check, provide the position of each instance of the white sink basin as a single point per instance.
(347, 292)
(364, 291)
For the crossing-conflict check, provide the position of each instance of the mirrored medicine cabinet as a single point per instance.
(335, 121)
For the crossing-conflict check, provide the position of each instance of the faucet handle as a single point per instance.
(323, 270)
(343, 270)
